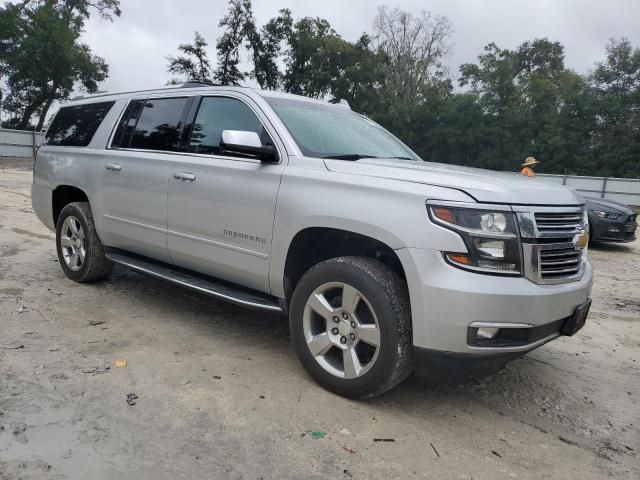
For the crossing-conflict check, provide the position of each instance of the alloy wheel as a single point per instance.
(72, 243)
(341, 330)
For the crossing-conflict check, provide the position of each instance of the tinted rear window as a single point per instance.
(75, 126)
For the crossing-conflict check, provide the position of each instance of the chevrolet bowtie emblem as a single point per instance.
(581, 240)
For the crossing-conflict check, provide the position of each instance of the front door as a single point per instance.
(135, 175)
(221, 206)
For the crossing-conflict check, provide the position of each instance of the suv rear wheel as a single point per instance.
(80, 251)
(350, 325)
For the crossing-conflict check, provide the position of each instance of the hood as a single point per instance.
(607, 205)
(484, 185)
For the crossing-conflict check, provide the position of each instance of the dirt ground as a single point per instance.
(220, 393)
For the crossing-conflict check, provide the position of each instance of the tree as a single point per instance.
(313, 54)
(228, 45)
(9, 16)
(317, 61)
(415, 47)
(615, 84)
(531, 104)
(80, 10)
(361, 77)
(514, 102)
(266, 47)
(42, 59)
(305, 41)
(194, 64)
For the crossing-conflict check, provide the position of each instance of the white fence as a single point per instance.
(624, 190)
(19, 143)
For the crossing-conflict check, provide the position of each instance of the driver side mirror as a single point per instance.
(248, 143)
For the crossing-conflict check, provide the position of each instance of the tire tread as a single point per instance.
(396, 291)
(97, 266)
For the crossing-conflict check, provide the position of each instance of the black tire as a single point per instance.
(387, 295)
(96, 266)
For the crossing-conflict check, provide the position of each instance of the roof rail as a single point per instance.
(199, 83)
(188, 84)
(96, 94)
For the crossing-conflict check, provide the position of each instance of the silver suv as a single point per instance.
(385, 264)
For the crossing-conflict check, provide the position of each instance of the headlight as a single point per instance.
(491, 238)
(609, 215)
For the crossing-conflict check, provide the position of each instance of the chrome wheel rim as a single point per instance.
(341, 330)
(72, 243)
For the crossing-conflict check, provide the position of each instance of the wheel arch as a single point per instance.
(313, 245)
(63, 195)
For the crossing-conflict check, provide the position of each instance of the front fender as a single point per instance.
(390, 211)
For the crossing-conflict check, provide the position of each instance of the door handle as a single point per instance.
(113, 166)
(189, 177)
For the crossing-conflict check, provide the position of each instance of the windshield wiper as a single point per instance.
(349, 156)
(403, 158)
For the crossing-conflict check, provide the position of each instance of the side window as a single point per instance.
(122, 137)
(221, 113)
(75, 126)
(158, 126)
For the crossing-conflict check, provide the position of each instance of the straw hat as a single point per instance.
(530, 161)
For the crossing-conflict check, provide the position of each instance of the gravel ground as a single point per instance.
(214, 391)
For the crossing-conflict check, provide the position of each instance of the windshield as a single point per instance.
(329, 131)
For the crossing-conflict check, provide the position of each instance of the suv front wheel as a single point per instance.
(351, 326)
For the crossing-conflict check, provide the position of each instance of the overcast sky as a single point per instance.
(136, 44)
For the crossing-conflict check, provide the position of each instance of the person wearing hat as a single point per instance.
(527, 167)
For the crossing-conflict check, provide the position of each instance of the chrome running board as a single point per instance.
(216, 288)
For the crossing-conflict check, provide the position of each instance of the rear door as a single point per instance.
(135, 174)
(221, 205)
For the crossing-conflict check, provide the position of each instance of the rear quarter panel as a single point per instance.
(79, 167)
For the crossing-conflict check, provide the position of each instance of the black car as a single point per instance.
(610, 221)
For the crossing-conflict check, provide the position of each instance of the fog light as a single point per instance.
(487, 333)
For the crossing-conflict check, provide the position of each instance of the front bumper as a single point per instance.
(442, 366)
(449, 366)
(613, 231)
(445, 301)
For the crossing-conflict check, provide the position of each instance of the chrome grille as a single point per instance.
(558, 221)
(550, 246)
(559, 260)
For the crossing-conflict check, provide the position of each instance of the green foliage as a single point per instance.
(194, 64)
(511, 103)
(81, 9)
(531, 104)
(615, 85)
(361, 77)
(266, 46)
(42, 59)
(312, 57)
(228, 46)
